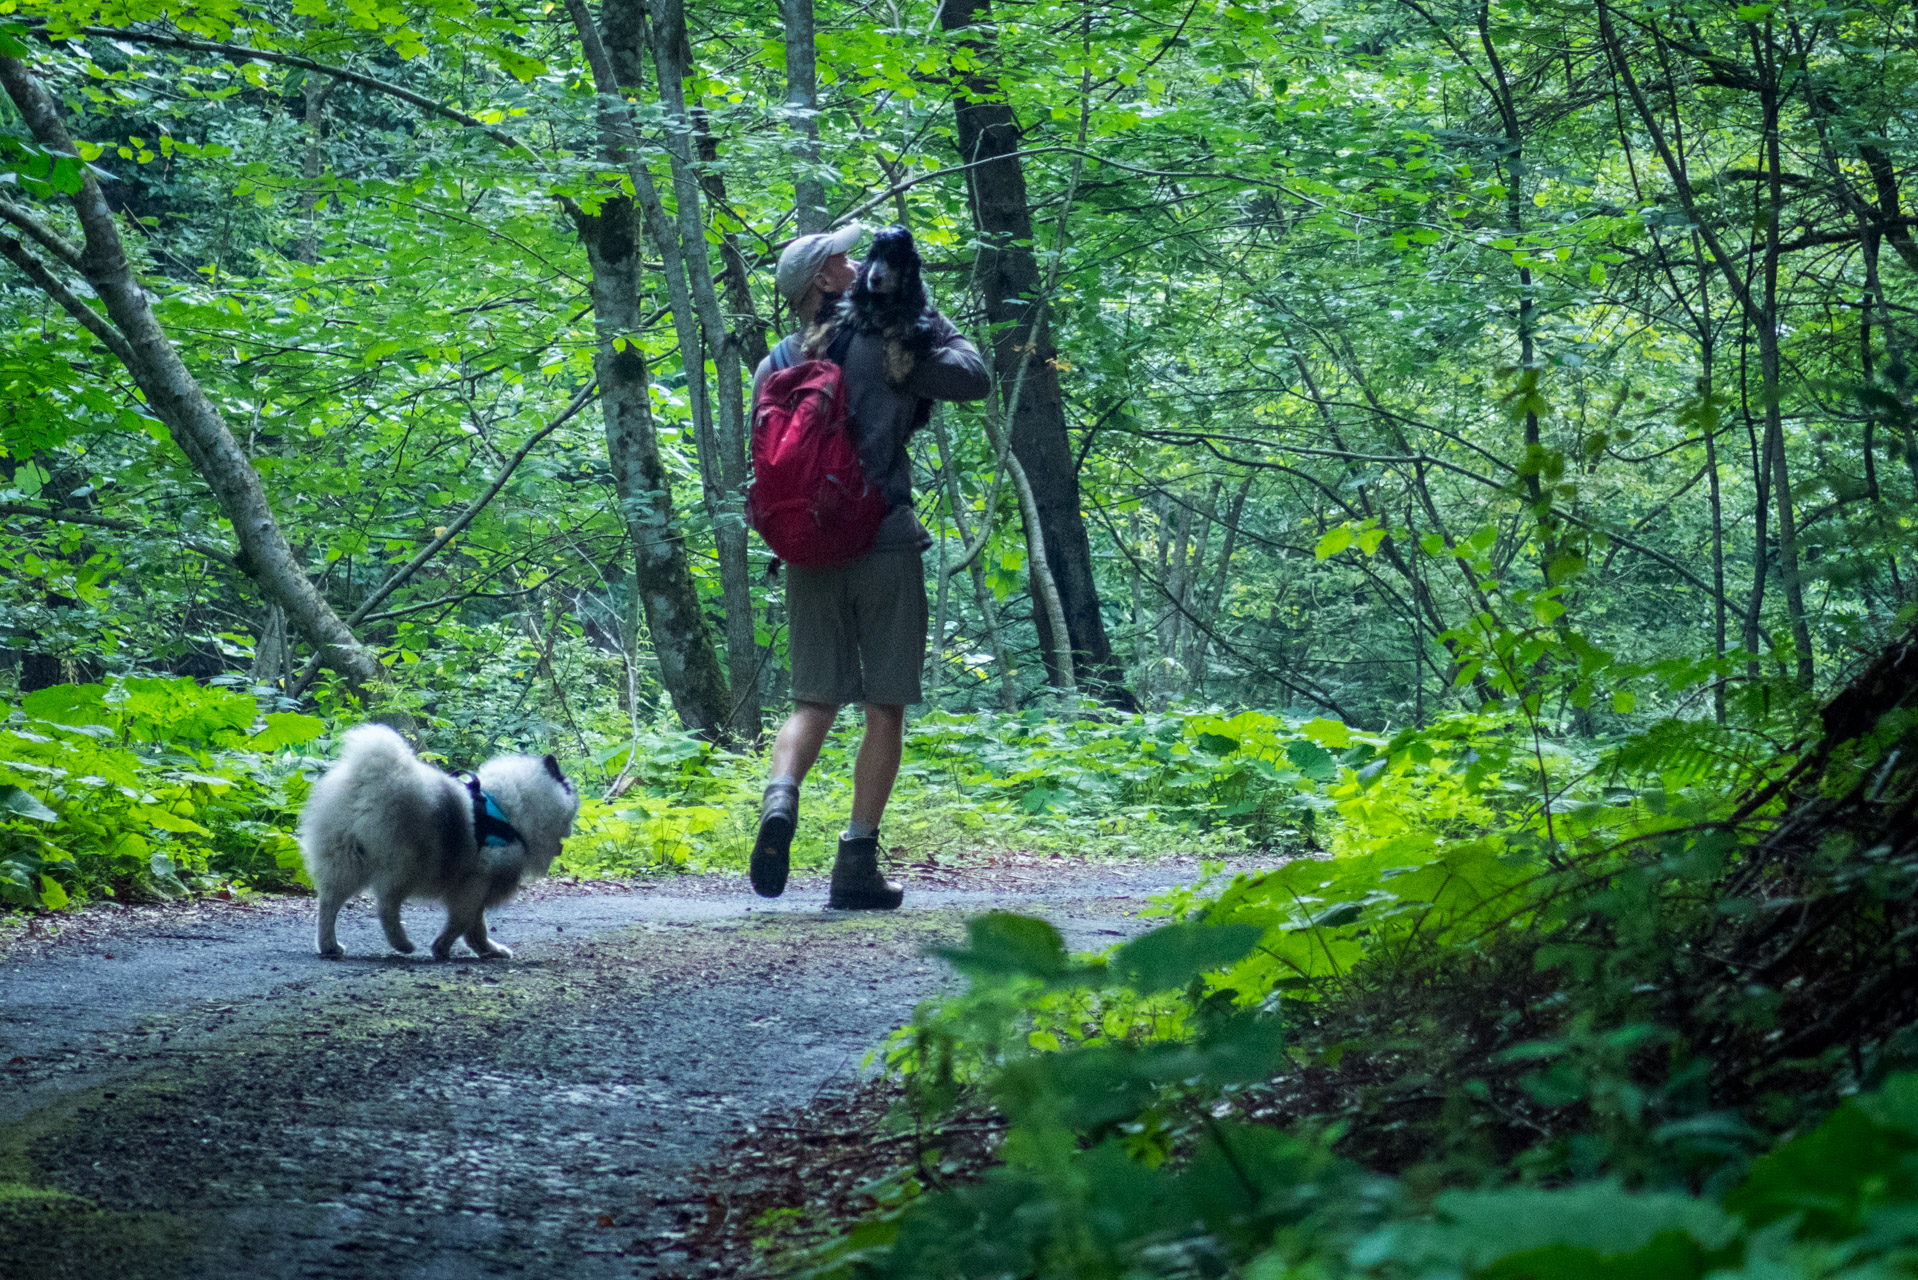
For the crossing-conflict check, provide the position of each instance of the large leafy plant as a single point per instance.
(146, 784)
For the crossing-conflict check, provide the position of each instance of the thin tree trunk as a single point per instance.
(1156, 681)
(1214, 598)
(671, 53)
(936, 651)
(1768, 364)
(1172, 581)
(1141, 622)
(688, 667)
(617, 63)
(177, 400)
(1708, 419)
(1761, 507)
(1024, 357)
(1192, 636)
(313, 163)
(802, 115)
(749, 326)
(981, 592)
(1045, 584)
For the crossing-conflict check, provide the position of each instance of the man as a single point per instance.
(857, 632)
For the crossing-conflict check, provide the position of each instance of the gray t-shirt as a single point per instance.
(883, 416)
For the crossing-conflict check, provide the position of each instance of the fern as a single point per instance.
(1684, 754)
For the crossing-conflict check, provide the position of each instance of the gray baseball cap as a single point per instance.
(805, 256)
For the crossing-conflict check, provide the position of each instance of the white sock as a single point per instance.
(857, 830)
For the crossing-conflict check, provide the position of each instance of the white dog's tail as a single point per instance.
(375, 747)
(331, 850)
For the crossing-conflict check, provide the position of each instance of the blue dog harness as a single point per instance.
(490, 827)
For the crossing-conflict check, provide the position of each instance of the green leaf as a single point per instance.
(1002, 944)
(19, 801)
(74, 704)
(1312, 760)
(52, 895)
(1335, 541)
(166, 820)
(288, 729)
(1172, 956)
(1327, 733)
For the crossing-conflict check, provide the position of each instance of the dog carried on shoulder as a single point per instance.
(889, 299)
(382, 818)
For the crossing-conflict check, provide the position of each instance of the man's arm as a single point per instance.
(954, 371)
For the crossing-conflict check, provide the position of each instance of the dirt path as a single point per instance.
(198, 1095)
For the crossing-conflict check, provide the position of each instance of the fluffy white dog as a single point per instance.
(381, 817)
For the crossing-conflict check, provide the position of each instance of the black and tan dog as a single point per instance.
(888, 298)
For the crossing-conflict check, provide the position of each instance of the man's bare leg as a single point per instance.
(877, 768)
(796, 749)
(794, 752)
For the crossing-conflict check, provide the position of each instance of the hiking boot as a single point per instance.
(772, 850)
(856, 882)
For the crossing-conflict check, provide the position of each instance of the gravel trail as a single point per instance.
(196, 1094)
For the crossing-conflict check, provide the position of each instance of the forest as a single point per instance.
(1465, 449)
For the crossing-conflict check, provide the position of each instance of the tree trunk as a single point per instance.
(617, 63)
(1768, 365)
(981, 593)
(1172, 580)
(670, 57)
(1208, 612)
(176, 398)
(749, 327)
(688, 666)
(1023, 358)
(313, 164)
(802, 116)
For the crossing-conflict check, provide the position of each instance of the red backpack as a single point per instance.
(809, 499)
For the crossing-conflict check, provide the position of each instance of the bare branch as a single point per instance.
(40, 233)
(246, 53)
(107, 522)
(473, 508)
(70, 302)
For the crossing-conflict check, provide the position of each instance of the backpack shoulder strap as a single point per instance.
(840, 345)
(783, 353)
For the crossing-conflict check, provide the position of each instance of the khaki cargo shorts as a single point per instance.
(858, 630)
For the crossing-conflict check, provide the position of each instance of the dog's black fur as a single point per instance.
(888, 298)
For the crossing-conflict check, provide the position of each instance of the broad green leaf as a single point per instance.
(1172, 956)
(290, 729)
(17, 800)
(1334, 541)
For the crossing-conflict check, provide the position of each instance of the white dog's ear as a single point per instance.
(552, 768)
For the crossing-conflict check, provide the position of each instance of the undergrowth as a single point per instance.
(1638, 1011)
(1098, 784)
(154, 787)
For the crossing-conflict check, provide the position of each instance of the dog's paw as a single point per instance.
(334, 952)
(443, 949)
(497, 951)
(404, 946)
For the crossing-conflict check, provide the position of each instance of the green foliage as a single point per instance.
(983, 782)
(1469, 1040)
(148, 786)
